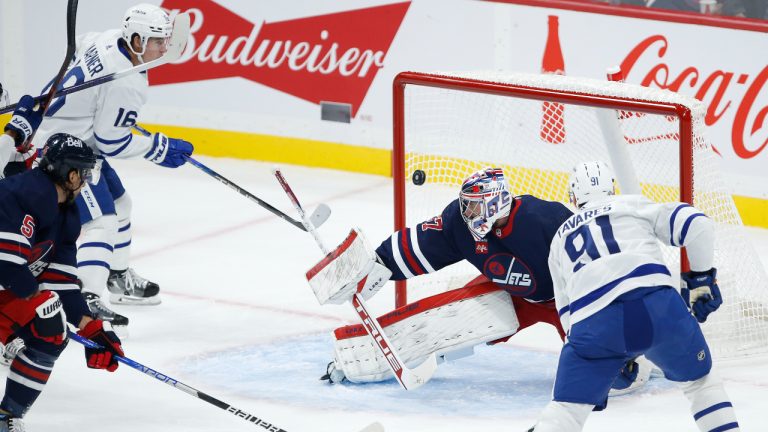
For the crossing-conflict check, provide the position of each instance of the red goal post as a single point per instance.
(537, 127)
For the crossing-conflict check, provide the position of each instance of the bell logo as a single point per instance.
(332, 57)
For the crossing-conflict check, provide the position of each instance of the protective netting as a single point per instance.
(451, 132)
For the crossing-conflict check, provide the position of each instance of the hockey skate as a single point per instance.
(11, 424)
(9, 351)
(126, 287)
(332, 374)
(102, 312)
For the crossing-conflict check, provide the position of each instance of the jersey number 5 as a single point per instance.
(28, 226)
(583, 236)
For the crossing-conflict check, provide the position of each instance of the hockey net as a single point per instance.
(537, 127)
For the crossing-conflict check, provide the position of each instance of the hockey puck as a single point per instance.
(419, 177)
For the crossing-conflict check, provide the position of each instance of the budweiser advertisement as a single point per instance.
(265, 67)
(330, 57)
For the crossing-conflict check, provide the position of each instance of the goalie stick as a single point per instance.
(257, 421)
(320, 215)
(176, 45)
(45, 101)
(409, 378)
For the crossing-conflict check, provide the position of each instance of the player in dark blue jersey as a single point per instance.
(507, 240)
(39, 292)
(505, 237)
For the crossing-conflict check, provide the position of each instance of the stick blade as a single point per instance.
(320, 215)
(179, 37)
(412, 379)
(373, 427)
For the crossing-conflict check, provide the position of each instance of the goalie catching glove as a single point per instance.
(352, 267)
(701, 293)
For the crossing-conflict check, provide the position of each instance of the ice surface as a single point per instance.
(239, 322)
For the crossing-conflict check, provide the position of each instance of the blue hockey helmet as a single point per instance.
(64, 153)
(484, 199)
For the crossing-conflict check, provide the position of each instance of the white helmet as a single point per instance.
(148, 21)
(484, 199)
(589, 181)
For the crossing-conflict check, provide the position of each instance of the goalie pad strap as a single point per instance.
(444, 323)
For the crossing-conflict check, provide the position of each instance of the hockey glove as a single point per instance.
(701, 293)
(350, 268)
(20, 162)
(169, 152)
(627, 376)
(24, 122)
(42, 312)
(103, 358)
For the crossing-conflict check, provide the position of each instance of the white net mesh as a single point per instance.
(452, 132)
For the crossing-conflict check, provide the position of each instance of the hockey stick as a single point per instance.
(176, 45)
(45, 101)
(181, 386)
(408, 378)
(321, 214)
(374, 427)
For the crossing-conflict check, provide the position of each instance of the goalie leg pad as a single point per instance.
(445, 323)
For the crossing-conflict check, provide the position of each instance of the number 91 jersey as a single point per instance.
(102, 115)
(612, 246)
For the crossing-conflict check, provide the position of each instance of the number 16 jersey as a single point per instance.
(102, 115)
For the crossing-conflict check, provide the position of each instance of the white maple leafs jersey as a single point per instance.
(611, 247)
(102, 115)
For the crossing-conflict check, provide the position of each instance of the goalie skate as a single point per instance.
(128, 288)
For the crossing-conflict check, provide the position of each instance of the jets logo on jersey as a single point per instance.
(509, 272)
(38, 260)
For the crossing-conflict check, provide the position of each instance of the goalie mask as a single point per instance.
(484, 199)
(146, 21)
(590, 181)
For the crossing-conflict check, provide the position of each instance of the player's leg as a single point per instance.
(28, 375)
(589, 363)
(683, 355)
(581, 384)
(96, 245)
(448, 324)
(125, 285)
(44, 338)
